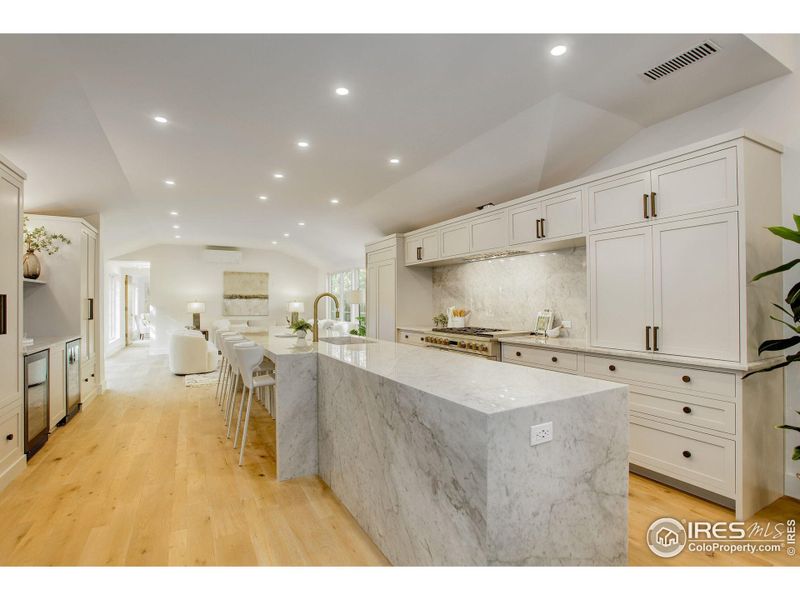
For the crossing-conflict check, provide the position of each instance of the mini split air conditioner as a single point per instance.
(222, 255)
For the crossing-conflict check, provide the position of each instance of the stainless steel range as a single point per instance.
(480, 341)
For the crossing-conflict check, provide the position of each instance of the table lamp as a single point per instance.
(196, 308)
(356, 298)
(295, 308)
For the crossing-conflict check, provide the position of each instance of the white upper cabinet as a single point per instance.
(523, 222)
(696, 287)
(422, 247)
(455, 240)
(702, 183)
(10, 207)
(489, 232)
(619, 201)
(562, 216)
(621, 283)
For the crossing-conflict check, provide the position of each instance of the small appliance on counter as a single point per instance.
(544, 322)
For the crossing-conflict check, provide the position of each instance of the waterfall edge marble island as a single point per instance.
(431, 453)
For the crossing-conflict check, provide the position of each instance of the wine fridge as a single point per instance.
(37, 401)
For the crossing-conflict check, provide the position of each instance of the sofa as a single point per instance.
(189, 352)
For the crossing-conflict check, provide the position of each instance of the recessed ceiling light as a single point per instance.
(286, 234)
(176, 226)
(174, 213)
(177, 237)
(274, 242)
(169, 182)
(303, 144)
(262, 198)
(301, 223)
(342, 91)
(394, 161)
(334, 201)
(278, 175)
(160, 119)
(558, 50)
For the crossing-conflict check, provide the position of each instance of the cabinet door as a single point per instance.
(386, 301)
(522, 222)
(620, 201)
(702, 183)
(455, 240)
(621, 288)
(92, 294)
(84, 295)
(372, 300)
(10, 261)
(696, 287)
(422, 247)
(58, 386)
(562, 216)
(488, 233)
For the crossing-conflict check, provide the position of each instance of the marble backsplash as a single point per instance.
(508, 292)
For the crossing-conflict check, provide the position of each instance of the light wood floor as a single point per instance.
(145, 476)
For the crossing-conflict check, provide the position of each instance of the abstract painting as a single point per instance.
(245, 294)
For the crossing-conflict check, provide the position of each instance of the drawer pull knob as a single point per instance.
(686, 379)
(86, 380)
(687, 410)
(518, 353)
(687, 454)
(554, 359)
(10, 437)
(406, 336)
(612, 368)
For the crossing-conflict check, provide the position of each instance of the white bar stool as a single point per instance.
(233, 373)
(226, 373)
(223, 365)
(248, 360)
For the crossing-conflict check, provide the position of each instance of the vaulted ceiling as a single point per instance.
(473, 118)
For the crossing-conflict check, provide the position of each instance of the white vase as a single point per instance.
(301, 335)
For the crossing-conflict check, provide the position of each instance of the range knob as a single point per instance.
(427, 338)
(485, 348)
(462, 344)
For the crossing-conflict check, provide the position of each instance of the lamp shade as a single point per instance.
(297, 307)
(196, 307)
(356, 297)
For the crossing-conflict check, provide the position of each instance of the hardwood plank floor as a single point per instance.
(145, 476)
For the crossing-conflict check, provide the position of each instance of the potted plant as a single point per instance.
(36, 240)
(362, 327)
(301, 328)
(793, 312)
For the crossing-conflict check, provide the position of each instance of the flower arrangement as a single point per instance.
(39, 239)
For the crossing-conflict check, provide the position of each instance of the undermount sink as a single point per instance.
(346, 339)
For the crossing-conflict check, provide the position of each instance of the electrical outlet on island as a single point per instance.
(541, 433)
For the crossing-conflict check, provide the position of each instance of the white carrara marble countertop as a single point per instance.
(483, 385)
(43, 343)
(578, 345)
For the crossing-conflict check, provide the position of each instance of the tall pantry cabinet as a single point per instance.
(89, 313)
(12, 457)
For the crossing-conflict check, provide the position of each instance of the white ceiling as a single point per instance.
(475, 118)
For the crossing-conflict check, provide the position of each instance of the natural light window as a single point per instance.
(339, 284)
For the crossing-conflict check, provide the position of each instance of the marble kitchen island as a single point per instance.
(431, 453)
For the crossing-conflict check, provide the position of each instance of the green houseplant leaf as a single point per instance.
(786, 233)
(775, 345)
(781, 269)
(796, 455)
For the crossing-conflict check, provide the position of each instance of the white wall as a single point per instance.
(178, 274)
(771, 109)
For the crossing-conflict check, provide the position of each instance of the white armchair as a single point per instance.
(189, 352)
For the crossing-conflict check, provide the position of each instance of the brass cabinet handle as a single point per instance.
(419, 253)
(653, 204)
(686, 379)
(554, 359)
(543, 234)
(647, 338)
(687, 410)
(644, 206)
(687, 454)
(655, 338)
(538, 228)
(612, 368)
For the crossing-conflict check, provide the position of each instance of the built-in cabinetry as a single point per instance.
(396, 293)
(673, 243)
(12, 457)
(68, 305)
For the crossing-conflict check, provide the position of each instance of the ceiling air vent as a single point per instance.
(707, 48)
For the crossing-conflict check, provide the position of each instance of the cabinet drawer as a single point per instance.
(10, 425)
(684, 379)
(410, 337)
(717, 415)
(702, 460)
(540, 357)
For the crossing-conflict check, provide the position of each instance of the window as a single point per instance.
(339, 284)
(115, 308)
